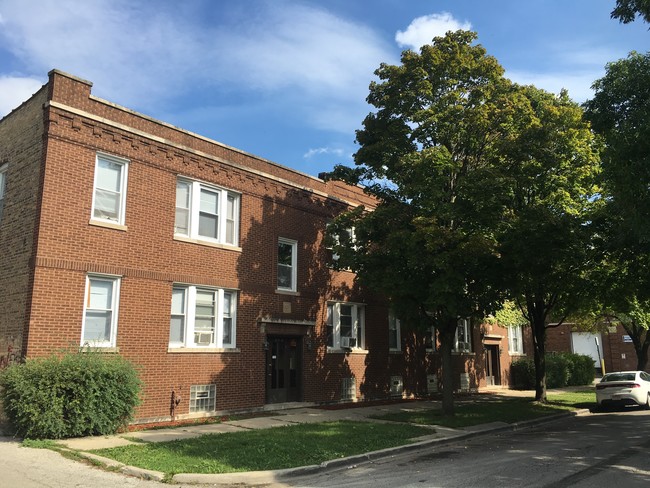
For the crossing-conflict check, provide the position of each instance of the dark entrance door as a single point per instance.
(492, 366)
(283, 369)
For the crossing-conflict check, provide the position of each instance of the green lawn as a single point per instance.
(507, 410)
(307, 444)
(276, 448)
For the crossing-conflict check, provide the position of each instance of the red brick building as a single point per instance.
(201, 263)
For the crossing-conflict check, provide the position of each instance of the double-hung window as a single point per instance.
(207, 213)
(515, 339)
(462, 340)
(430, 340)
(100, 311)
(3, 184)
(202, 317)
(394, 340)
(109, 197)
(287, 264)
(345, 325)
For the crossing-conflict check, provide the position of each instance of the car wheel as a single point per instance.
(647, 402)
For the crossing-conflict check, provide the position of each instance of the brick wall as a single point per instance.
(276, 202)
(21, 133)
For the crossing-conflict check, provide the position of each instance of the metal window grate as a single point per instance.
(203, 398)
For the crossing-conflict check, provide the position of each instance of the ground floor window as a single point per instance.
(99, 327)
(462, 339)
(345, 325)
(202, 317)
(515, 340)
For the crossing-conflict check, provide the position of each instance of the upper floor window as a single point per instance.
(287, 264)
(394, 339)
(515, 340)
(100, 311)
(346, 237)
(206, 213)
(202, 317)
(3, 184)
(345, 325)
(462, 339)
(109, 196)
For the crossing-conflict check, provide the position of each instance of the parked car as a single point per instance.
(624, 388)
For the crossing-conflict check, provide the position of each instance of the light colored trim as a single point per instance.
(270, 320)
(161, 140)
(283, 291)
(108, 225)
(202, 242)
(202, 350)
(348, 351)
(106, 350)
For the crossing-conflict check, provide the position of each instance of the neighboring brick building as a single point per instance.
(201, 263)
(615, 347)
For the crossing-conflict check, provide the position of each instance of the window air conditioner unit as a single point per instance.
(203, 338)
(348, 342)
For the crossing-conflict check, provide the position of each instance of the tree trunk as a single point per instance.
(539, 346)
(446, 345)
(642, 353)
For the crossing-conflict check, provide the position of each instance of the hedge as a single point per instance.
(70, 395)
(562, 369)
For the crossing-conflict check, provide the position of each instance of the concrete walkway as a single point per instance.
(288, 417)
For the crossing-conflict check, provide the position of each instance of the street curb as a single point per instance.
(265, 477)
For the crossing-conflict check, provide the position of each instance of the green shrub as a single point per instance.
(522, 373)
(562, 369)
(70, 395)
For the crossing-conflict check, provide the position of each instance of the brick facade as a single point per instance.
(51, 245)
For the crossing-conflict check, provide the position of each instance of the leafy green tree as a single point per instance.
(620, 113)
(427, 154)
(546, 242)
(626, 11)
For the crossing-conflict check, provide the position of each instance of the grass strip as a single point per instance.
(256, 450)
(507, 410)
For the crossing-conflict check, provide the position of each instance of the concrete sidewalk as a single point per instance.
(286, 417)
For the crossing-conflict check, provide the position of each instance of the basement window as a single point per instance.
(203, 398)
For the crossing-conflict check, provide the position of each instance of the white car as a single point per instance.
(624, 388)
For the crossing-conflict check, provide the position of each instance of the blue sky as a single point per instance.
(286, 79)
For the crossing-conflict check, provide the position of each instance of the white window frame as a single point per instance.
(3, 186)
(223, 218)
(337, 240)
(394, 329)
(333, 324)
(430, 340)
(516, 339)
(464, 327)
(220, 317)
(121, 211)
(293, 267)
(114, 309)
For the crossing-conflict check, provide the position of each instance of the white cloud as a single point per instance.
(422, 30)
(15, 90)
(324, 150)
(143, 54)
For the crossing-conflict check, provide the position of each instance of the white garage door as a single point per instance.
(585, 343)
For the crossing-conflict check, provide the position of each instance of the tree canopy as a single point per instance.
(626, 11)
(426, 155)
